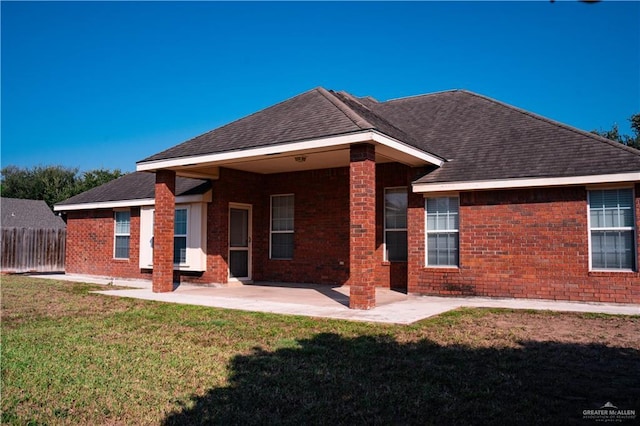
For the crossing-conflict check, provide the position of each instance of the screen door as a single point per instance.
(239, 243)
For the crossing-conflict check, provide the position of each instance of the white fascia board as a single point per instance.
(328, 142)
(525, 182)
(407, 149)
(184, 199)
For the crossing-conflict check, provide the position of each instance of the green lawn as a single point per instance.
(73, 357)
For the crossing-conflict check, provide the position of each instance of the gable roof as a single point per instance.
(20, 213)
(479, 138)
(136, 188)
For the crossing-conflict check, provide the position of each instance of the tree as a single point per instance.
(96, 177)
(614, 133)
(51, 183)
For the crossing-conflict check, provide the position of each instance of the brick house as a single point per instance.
(451, 193)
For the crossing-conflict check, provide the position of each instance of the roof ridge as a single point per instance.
(345, 109)
(597, 138)
(406, 137)
(402, 98)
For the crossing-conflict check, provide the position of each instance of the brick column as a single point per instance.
(362, 212)
(163, 228)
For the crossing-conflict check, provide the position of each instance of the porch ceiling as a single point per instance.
(283, 162)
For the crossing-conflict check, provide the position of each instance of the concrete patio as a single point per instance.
(328, 301)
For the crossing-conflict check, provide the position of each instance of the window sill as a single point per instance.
(177, 267)
(442, 268)
(389, 262)
(609, 272)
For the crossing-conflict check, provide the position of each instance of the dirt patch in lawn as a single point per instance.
(489, 327)
(25, 299)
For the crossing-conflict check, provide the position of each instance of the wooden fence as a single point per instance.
(33, 250)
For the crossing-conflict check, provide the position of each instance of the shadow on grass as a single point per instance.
(330, 379)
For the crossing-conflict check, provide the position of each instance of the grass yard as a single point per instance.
(73, 357)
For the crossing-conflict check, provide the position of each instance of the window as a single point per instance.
(612, 229)
(282, 227)
(122, 234)
(180, 236)
(442, 231)
(395, 224)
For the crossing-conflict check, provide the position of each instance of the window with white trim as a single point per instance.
(612, 229)
(282, 230)
(189, 236)
(442, 231)
(122, 234)
(180, 236)
(395, 224)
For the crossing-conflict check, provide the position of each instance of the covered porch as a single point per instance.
(337, 213)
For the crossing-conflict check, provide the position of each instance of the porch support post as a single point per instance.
(362, 212)
(163, 228)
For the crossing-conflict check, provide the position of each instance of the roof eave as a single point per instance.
(525, 182)
(180, 199)
(417, 156)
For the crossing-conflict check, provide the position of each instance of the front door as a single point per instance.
(240, 242)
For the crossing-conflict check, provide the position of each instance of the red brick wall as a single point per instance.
(389, 274)
(233, 186)
(530, 243)
(321, 239)
(90, 240)
(321, 228)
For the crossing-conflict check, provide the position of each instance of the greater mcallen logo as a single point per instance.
(609, 413)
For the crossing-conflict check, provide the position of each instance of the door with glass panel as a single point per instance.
(240, 242)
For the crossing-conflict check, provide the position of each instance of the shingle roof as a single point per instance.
(484, 139)
(135, 186)
(480, 138)
(19, 213)
(313, 114)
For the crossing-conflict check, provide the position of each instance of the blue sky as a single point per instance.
(89, 85)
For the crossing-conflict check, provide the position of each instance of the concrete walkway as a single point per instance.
(331, 302)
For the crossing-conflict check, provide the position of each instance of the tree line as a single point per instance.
(51, 183)
(614, 133)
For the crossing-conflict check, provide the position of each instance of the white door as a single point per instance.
(240, 242)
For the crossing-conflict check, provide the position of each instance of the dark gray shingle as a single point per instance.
(312, 114)
(135, 186)
(484, 139)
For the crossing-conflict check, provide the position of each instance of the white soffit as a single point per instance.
(525, 182)
(388, 147)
